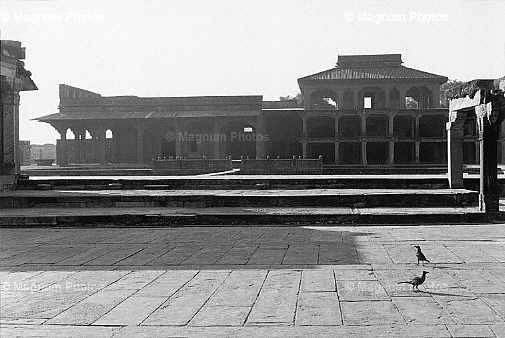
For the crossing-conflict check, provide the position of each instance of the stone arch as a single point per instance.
(375, 95)
(418, 97)
(324, 98)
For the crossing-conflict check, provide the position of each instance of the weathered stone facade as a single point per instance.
(14, 78)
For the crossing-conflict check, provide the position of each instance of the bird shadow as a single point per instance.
(441, 293)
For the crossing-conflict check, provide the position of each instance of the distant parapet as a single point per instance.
(69, 93)
(500, 84)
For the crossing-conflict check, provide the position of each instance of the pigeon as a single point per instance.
(416, 281)
(420, 256)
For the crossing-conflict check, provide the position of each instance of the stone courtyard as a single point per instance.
(254, 281)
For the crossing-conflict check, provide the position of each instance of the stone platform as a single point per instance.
(239, 198)
(213, 181)
(304, 281)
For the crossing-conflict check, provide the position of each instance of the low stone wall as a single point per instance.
(281, 166)
(178, 166)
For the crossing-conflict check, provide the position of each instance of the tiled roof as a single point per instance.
(373, 73)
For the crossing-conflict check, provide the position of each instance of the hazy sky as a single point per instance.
(205, 47)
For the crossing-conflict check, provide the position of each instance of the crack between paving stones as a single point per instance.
(163, 303)
(212, 294)
(297, 297)
(256, 298)
(338, 297)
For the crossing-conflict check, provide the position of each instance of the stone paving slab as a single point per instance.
(282, 283)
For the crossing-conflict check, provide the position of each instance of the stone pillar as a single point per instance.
(363, 153)
(78, 146)
(417, 145)
(304, 126)
(455, 149)
(388, 98)
(178, 145)
(337, 137)
(101, 146)
(140, 143)
(403, 93)
(337, 155)
(9, 133)
(356, 98)
(96, 145)
(340, 100)
(260, 138)
(216, 145)
(304, 149)
(391, 139)
(364, 140)
(62, 159)
(417, 156)
(114, 145)
(488, 120)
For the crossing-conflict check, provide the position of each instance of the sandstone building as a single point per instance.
(367, 110)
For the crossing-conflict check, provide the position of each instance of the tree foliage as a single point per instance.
(298, 98)
(447, 88)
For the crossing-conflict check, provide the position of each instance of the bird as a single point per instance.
(420, 256)
(416, 281)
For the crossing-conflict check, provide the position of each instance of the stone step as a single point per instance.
(246, 182)
(239, 198)
(167, 217)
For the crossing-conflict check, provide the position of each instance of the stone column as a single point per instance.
(337, 137)
(178, 146)
(260, 138)
(10, 137)
(417, 145)
(364, 139)
(304, 149)
(455, 148)
(488, 120)
(62, 159)
(403, 93)
(337, 155)
(140, 143)
(101, 146)
(113, 147)
(78, 146)
(340, 100)
(417, 156)
(388, 99)
(391, 140)
(217, 140)
(356, 98)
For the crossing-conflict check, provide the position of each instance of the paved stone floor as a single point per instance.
(252, 281)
